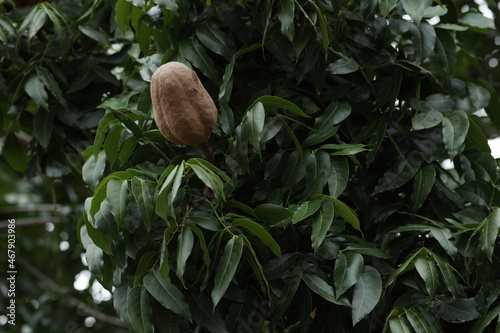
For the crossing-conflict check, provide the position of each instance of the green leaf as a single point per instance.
(194, 51)
(321, 288)
(399, 324)
(422, 185)
(112, 142)
(343, 66)
(427, 270)
(50, 82)
(257, 230)
(142, 191)
(423, 120)
(414, 8)
(201, 242)
(489, 232)
(120, 304)
(42, 126)
(206, 174)
(318, 171)
(35, 89)
(226, 268)
(295, 170)
(339, 176)
(93, 169)
(97, 35)
(476, 139)
(347, 271)
(215, 40)
(203, 313)
(418, 321)
(305, 210)
(405, 266)
(271, 213)
(139, 310)
(275, 102)
(167, 294)
(185, 243)
(278, 268)
(255, 121)
(455, 128)
(480, 325)
(321, 223)
(456, 310)
(366, 294)
(38, 21)
(94, 258)
(123, 11)
(398, 175)
(105, 222)
(342, 210)
(477, 20)
(479, 96)
(286, 13)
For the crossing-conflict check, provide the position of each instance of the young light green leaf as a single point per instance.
(366, 294)
(139, 310)
(167, 294)
(321, 223)
(227, 268)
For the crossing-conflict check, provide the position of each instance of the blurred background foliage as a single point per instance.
(61, 60)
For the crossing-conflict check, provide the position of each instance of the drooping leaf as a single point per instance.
(227, 268)
(139, 310)
(167, 294)
(257, 230)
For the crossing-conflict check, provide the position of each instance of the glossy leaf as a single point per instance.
(366, 294)
(305, 210)
(271, 213)
(427, 270)
(459, 310)
(347, 272)
(93, 169)
(422, 185)
(139, 310)
(414, 8)
(321, 223)
(255, 120)
(167, 294)
(489, 233)
(455, 128)
(257, 230)
(141, 190)
(428, 119)
(226, 268)
(185, 243)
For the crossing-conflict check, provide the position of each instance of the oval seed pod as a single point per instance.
(183, 110)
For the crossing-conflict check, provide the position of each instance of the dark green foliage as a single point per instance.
(332, 210)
